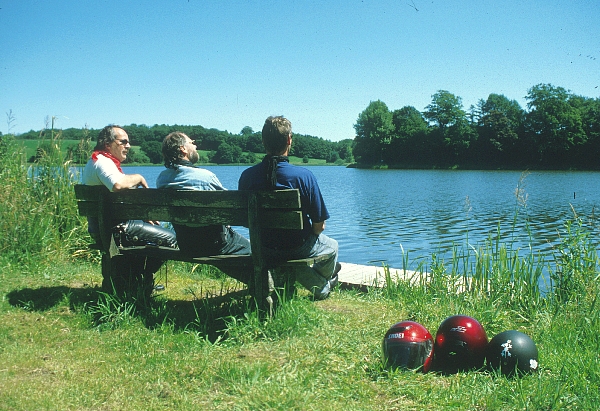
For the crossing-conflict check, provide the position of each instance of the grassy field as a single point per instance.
(31, 146)
(65, 345)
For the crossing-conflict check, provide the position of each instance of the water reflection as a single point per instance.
(377, 213)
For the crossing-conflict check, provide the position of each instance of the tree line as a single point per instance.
(221, 147)
(558, 130)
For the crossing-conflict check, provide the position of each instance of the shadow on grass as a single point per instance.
(45, 298)
(204, 316)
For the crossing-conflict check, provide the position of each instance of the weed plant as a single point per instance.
(200, 344)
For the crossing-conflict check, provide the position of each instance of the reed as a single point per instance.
(39, 217)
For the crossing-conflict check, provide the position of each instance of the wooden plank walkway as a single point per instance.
(356, 276)
(362, 276)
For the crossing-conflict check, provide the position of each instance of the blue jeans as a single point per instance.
(315, 278)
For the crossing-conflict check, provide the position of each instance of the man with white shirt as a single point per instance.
(104, 168)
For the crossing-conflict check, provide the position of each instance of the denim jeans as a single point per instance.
(315, 278)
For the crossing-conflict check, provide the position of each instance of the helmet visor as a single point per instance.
(409, 355)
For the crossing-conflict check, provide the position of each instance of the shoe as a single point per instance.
(323, 293)
(330, 285)
(334, 281)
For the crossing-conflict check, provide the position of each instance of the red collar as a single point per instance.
(108, 155)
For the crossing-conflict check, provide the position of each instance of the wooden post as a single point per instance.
(109, 247)
(260, 286)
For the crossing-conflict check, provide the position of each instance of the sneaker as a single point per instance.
(334, 281)
(330, 285)
(323, 293)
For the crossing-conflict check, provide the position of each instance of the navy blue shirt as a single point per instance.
(289, 176)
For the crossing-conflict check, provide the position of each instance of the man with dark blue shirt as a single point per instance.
(276, 173)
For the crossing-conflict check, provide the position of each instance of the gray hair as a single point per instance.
(106, 136)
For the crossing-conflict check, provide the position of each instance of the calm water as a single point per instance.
(377, 213)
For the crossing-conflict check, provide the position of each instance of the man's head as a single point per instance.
(178, 147)
(114, 140)
(277, 135)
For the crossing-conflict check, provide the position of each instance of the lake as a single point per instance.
(375, 214)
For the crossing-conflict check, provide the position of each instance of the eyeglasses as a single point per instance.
(123, 142)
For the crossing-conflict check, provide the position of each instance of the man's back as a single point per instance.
(289, 176)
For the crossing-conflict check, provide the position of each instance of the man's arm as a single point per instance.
(130, 181)
(318, 228)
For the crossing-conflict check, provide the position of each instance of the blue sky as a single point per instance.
(230, 64)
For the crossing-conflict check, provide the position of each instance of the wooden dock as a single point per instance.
(353, 276)
(362, 276)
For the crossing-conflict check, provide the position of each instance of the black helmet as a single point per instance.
(460, 344)
(409, 345)
(512, 351)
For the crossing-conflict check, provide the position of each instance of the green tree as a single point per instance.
(374, 131)
(153, 150)
(409, 142)
(254, 143)
(445, 109)
(227, 154)
(499, 123)
(587, 154)
(246, 131)
(344, 148)
(553, 122)
(333, 157)
(454, 133)
(137, 156)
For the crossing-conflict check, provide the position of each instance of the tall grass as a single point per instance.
(38, 217)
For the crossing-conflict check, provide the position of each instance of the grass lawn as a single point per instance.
(32, 145)
(199, 345)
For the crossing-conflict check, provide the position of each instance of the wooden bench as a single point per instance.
(256, 210)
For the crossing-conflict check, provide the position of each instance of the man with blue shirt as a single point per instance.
(275, 173)
(180, 155)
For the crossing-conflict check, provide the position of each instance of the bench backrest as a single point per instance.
(255, 210)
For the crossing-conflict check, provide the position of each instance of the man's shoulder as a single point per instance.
(256, 168)
(196, 170)
(298, 171)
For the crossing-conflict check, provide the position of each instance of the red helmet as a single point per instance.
(408, 344)
(460, 344)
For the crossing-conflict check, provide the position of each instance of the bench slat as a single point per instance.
(178, 198)
(228, 259)
(281, 199)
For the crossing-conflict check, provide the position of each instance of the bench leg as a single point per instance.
(261, 288)
(129, 275)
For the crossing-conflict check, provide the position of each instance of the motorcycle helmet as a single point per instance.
(408, 345)
(460, 344)
(512, 352)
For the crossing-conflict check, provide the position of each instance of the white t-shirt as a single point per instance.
(101, 172)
